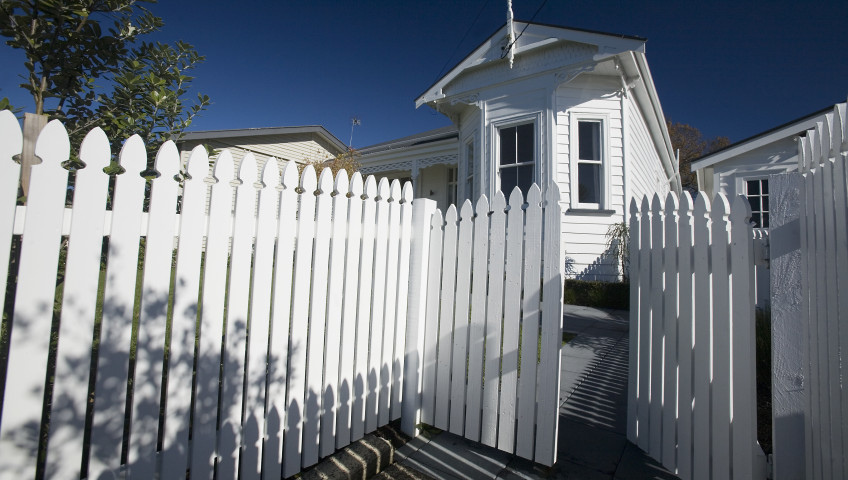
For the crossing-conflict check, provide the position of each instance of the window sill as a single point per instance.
(589, 211)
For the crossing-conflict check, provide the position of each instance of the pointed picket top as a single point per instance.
(803, 156)
(826, 135)
(95, 152)
(516, 198)
(247, 171)
(167, 160)
(685, 203)
(840, 134)
(634, 207)
(656, 204)
(308, 180)
(325, 182)
(342, 183)
(809, 140)
(223, 168)
(289, 178)
(672, 204)
(356, 186)
(740, 211)
(702, 206)
(450, 214)
(394, 191)
(13, 137)
(645, 208)
(406, 193)
(482, 206)
(53, 141)
(816, 144)
(721, 207)
(370, 190)
(534, 195)
(467, 211)
(383, 189)
(133, 156)
(197, 165)
(268, 174)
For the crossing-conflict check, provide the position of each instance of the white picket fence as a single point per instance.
(307, 315)
(692, 388)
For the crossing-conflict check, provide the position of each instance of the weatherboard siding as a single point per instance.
(645, 175)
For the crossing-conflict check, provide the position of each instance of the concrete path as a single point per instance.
(592, 441)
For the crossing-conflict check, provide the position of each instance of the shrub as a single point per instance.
(614, 295)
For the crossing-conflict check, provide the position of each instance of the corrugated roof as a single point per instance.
(444, 133)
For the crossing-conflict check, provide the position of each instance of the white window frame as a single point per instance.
(468, 168)
(574, 152)
(760, 178)
(536, 120)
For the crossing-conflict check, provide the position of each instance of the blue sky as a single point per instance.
(728, 68)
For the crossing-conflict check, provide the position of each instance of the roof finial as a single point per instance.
(510, 34)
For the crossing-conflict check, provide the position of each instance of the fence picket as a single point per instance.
(443, 355)
(744, 407)
(634, 320)
(186, 289)
(840, 196)
(657, 328)
(335, 293)
(384, 404)
(378, 289)
(477, 328)
(670, 355)
(348, 339)
(461, 320)
(685, 337)
(494, 314)
(31, 321)
(110, 389)
(812, 411)
(403, 292)
(644, 345)
(10, 172)
(721, 323)
(431, 332)
(703, 340)
(211, 332)
(79, 302)
(232, 393)
(511, 322)
(530, 325)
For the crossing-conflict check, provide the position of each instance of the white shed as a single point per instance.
(577, 109)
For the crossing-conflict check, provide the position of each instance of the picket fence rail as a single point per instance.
(692, 389)
(253, 338)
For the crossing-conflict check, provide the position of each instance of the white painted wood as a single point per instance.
(152, 322)
(743, 347)
(685, 336)
(232, 394)
(703, 340)
(364, 316)
(635, 319)
(413, 387)
(404, 283)
(813, 453)
(348, 336)
(461, 320)
(820, 316)
(317, 318)
(32, 317)
(177, 406)
(670, 354)
(278, 337)
(335, 296)
(657, 328)
(219, 231)
(494, 313)
(547, 417)
(82, 272)
(527, 386)
(445, 339)
(644, 346)
(260, 312)
(116, 326)
(431, 329)
(477, 328)
(10, 171)
(293, 442)
(840, 196)
(512, 310)
(390, 310)
(721, 324)
(378, 303)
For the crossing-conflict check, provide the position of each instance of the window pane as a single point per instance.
(755, 217)
(765, 186)
(524, 137)
(589, 183)
(589, 140)
(755, 204)
(753, 187)
(525, 178)
(507, 145)
(765, 203)
(509, 179)
(765, 220)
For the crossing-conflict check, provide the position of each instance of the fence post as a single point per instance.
(422, 211)
(788, 344)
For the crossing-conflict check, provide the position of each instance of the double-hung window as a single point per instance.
(590, 179)
(517, 157)
(469, 194)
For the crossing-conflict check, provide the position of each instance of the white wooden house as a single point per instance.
(576, 108)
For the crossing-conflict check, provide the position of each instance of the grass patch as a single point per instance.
(615, 295)
(567, 337)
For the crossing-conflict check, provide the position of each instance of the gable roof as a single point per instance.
(318, 130)
(530, 36)
(799, 127)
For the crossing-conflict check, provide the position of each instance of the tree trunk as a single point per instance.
(32, 127)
